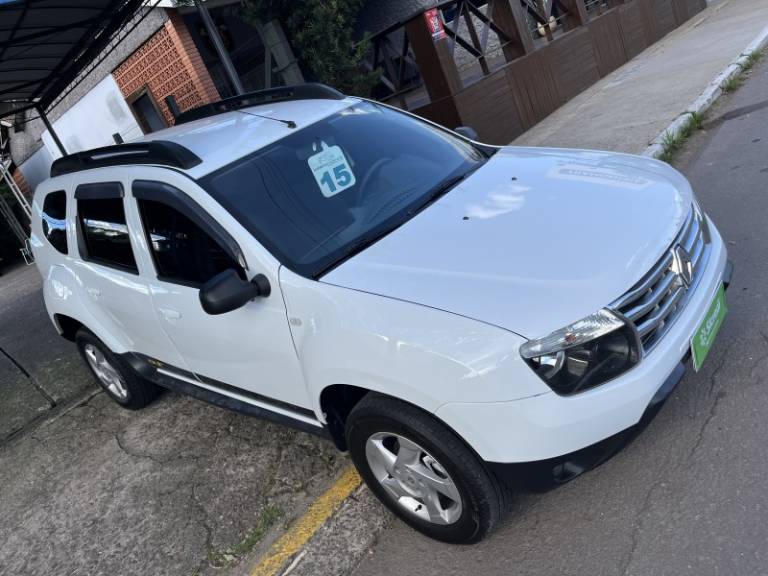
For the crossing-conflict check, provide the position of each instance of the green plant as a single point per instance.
(752, 59)
(228, 556)
(733, 83)
(321, 33)
(697, 120)
(673, 142)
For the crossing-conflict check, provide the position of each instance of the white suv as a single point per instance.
(464, 319)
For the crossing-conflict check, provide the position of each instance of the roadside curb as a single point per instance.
(344, 520)
(708, 97)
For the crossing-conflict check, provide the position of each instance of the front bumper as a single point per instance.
(577, 432)
(542, 475)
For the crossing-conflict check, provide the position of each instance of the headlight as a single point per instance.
(585, 354)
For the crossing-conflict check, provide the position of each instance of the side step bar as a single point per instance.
(226, 396)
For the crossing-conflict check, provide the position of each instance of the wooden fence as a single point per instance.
(503, 66)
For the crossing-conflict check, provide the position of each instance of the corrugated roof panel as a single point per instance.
(44, 44)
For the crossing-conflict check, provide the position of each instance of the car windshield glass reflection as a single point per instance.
(333, 187)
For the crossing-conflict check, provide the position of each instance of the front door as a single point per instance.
(250, 348)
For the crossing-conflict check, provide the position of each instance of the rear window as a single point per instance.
(55, 220)
(105, 232)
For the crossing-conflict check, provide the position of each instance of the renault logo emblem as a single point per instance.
(682, 265)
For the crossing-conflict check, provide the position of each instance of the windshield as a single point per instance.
(328, 190)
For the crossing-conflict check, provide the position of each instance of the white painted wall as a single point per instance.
(93, 120)
(37, 167)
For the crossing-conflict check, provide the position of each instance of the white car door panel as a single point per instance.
(249, 348)
(117, 297)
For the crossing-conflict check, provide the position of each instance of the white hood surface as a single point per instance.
(532, 241)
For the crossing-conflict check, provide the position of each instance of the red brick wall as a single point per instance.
(22, 183)
(168, 64)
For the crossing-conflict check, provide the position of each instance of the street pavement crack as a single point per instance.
(134, 454)
(45, 418)
(635, 536)
(48, 398)
(648, 499)
(202, 520)
(719, 395)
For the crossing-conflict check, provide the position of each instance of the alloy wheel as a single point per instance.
(105, 372)
(413, 478)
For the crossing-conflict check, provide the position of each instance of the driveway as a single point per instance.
(87, 488)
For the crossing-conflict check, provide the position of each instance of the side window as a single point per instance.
(181, 250)
(102, 223)
(55, 220)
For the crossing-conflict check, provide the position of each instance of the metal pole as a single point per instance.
(219, 45)
(51, 131)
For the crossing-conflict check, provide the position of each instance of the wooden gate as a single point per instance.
(502, 66)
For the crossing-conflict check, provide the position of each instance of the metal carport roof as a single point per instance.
(44, 44)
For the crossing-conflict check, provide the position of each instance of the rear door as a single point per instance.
(112, 275)
(251, 348)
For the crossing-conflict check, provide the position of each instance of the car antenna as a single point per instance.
(289, 123)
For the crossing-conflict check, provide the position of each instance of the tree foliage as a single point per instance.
(321, 33)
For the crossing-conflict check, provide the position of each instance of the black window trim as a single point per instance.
(100, 191)
(66, 221)
(170, 195)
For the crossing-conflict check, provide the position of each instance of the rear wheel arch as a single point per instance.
(67, 326)
(113, 373)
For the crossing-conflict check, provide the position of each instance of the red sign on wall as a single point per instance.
(434, 24)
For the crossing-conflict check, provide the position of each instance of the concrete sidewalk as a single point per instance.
(626, 110)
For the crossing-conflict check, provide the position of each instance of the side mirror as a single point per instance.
(466, 131)
(227, 291)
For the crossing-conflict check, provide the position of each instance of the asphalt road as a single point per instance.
(690, 495)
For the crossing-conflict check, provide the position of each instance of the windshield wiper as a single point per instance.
(438, 191)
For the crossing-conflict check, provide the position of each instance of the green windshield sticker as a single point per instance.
(705, 334)
(331, 170)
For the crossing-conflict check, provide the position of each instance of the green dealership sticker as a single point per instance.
(708, 329)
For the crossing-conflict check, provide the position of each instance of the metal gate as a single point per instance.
(6, 210)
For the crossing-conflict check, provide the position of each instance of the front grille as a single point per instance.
(654, 303)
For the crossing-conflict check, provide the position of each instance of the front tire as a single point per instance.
(423, 472)
(113, 374)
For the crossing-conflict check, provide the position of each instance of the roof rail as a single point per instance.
(312, 91)
(153, 152)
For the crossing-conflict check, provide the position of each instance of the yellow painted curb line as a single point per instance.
(300, 533)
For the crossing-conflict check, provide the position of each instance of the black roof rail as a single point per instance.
(312, 91)
(153, 152)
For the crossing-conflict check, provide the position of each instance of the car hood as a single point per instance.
(532, 241)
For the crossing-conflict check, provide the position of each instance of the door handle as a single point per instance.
(94, 293)
(169, 313)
